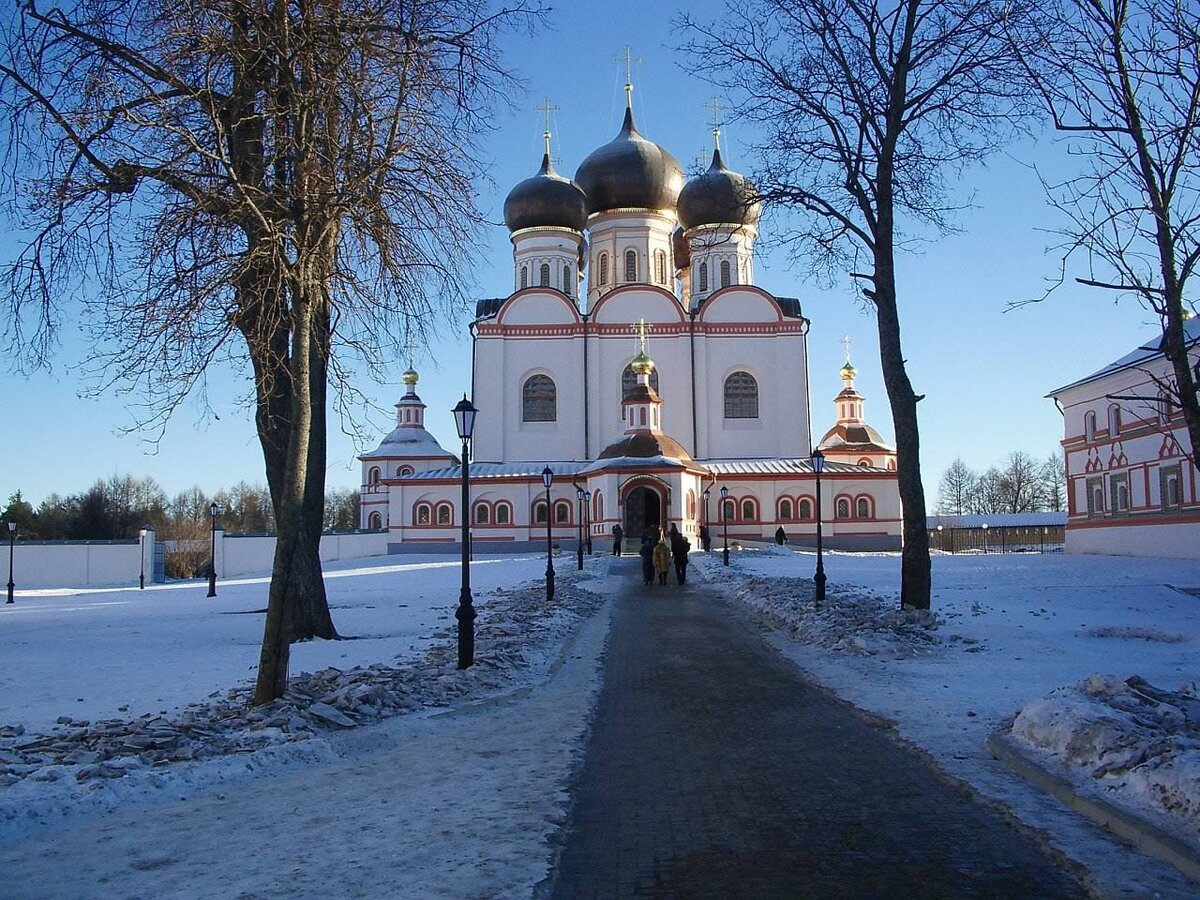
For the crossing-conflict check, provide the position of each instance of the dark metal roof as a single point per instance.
(630, 171)
(545, 200)
(718, 197)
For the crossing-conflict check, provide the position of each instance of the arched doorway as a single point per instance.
(643, 510)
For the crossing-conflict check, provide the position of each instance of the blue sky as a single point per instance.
(984, 370)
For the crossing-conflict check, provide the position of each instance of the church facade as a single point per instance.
(637, 361)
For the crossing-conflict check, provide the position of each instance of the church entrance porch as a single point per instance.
(643, 510)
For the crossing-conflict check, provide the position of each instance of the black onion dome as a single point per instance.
(545, 200)
(718, 197)
(679, 246)
(630, 171)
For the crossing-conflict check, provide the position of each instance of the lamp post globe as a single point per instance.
(547, 480)
(464, 421)
(725, 523)
(818, 466)
(12, 537)
(213, 512)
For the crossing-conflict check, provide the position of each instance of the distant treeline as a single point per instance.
(1023, 484)
(118, 507)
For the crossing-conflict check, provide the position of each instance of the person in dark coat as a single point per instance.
(618, 534)
(680, 547)
(780, 536)
(647, 555)
(705, 539)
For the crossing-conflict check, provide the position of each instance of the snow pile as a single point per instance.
(1133, 742)
(519, 642)
(851, 620)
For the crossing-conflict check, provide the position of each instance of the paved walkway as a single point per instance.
(715, 771)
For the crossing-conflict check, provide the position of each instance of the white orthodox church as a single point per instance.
(635, 359)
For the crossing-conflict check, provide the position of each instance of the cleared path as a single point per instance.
(715, 771)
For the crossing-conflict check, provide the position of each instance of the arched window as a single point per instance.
(375, 521)
(749, 510)
(865, 463)
(483, 514)
(373, 475)
(562, 512)
(727, 508)
(785, 510)
(843, 508)
(422, 514)
(741, 396)
(660, 266)
(404, 470)
(1114, 421)
(503, 513)
(544, 275)
(1089, 427)
(539, 513)
(703, 276)
(567, 280)
(806, 507)
(691, 504)
(538, 399)
(598, 507)
(892, 465)
(863, 508)
(631, 265)
(602, 266)
(524, 276)
(444, 514)
(725, 273)
(629, 380)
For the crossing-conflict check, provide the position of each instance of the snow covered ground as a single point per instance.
(458, 787)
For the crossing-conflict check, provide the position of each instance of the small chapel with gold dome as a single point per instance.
(638, 362)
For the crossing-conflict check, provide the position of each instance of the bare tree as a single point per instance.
(294, 176)
(1020, 484)
(1121, 79)
(867, 108)
(955, 489)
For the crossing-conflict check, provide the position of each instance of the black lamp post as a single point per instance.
(464, 421)
(213, 512)
(818, 465)
(941, 543)
(579, 524)
(706, 543)
(547, 480)
(12, 536)
(142, 554)
(587, 519)
(725, 520)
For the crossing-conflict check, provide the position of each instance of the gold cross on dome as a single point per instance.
(641, 328)
(409, 346)
(846, 342)
(546, 109)
(630, 61)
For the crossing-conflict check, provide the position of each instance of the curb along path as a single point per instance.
(715, 770)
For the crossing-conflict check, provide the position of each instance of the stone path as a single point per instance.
(715, 771)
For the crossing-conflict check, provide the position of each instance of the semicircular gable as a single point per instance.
(740, 303)
(538, 307)
(628, 304)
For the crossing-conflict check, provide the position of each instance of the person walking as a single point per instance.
(680, 547)
(647, 555)
(618, 534)
(780, 536)
(662, 560)
(705, 539)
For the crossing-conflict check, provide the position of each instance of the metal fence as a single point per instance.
(998, 539)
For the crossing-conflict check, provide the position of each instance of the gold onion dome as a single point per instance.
(410, 377)
(642, 364)
(848, 371)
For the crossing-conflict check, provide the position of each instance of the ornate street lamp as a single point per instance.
(725, 520)
(941, 546)
(705, 545)
(142, 554)
(547, 480)
(587, 519)
(12, 536)
(579, 524)
(213, 512)
(818, 465)
(464, 421)
(985, 541)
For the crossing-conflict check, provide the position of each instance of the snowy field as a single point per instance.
(128, 758)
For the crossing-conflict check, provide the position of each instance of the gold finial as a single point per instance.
(848, 371)
(630, 61)
(642, 364)
(716, 107)
(546, 109)
(410, 377)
